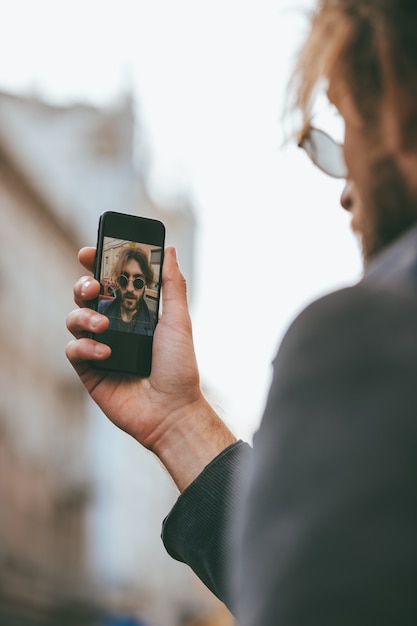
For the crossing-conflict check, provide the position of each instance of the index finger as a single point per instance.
(86, 257)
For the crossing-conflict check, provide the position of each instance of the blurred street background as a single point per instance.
(169, 109)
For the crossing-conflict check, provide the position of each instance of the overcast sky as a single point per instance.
(210, 78)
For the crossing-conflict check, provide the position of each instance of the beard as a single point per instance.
(390, 208)
(131, 303)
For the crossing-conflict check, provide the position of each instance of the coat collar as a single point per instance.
(396, 265)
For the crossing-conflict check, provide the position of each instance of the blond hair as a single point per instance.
(344, 50)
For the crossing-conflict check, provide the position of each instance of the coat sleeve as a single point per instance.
(198, 529)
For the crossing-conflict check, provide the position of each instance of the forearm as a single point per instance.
(195, 436)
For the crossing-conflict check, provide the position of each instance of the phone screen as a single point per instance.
(128, 267)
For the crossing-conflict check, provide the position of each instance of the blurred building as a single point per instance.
(45, 482)
(81, 504)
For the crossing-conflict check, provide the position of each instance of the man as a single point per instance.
(128, 312)
(324, 531)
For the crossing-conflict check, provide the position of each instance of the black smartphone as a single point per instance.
(128, 265)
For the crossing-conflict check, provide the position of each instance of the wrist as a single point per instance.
(195, 435)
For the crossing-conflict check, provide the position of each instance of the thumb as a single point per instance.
(174, 286)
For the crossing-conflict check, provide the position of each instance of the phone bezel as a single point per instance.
(131, 352)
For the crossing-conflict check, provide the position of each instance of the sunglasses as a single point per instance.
(124, 280)
(324, 151)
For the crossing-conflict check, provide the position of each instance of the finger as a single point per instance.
(81, 351)
(86, 289)
(174, 286)
(83, 321)
(86, 257)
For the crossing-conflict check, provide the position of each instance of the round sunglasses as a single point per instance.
(124, 280)
(324, 151)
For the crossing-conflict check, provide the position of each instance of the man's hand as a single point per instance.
(166, 412)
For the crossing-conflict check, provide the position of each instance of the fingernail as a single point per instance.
(174, 253)
(95, 321)
(85, 286)
(100, 349)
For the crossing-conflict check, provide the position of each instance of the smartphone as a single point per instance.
(130, 251)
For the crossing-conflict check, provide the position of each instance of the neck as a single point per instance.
(127, 316)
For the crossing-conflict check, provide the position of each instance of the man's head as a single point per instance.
(363, 53)
(131, 273)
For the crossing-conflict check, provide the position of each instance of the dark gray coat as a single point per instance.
(322, 531)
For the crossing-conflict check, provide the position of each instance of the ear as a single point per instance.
(398, 107)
